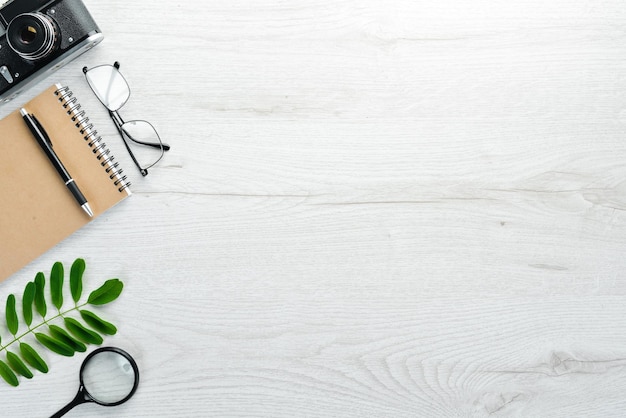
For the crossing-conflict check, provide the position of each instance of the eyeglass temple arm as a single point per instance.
(116, 119)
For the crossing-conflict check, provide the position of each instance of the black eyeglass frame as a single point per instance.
(119, 123)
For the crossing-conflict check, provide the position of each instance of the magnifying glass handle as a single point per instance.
(78, 399)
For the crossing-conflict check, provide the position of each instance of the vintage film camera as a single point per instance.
(37, 37)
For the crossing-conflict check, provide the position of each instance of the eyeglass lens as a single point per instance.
(144, 142)
(109, 86)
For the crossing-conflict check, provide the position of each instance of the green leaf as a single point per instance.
(65, 339)
(106, 293)
(76, 278)
(40, 297)
(97, 323)
(56, 284)
(79, 331)
(62, 335)
(27, 302)
(18, 365)
(54, 345)
(11, 315)
(32, 358)
(7, 374)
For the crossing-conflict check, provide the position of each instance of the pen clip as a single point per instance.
(41, 129)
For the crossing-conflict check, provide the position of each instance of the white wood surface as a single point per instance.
(370, 209)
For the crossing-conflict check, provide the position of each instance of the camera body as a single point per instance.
(37, 37)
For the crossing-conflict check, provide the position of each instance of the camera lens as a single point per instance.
(32, 36)
(28, 35)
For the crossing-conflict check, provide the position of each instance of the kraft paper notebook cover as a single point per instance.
(36, 208)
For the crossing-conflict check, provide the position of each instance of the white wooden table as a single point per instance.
(370, 209)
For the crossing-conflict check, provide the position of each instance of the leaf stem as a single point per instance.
(44, 322)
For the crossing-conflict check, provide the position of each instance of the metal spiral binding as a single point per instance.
(90, 134)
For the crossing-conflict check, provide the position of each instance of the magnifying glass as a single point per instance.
(108, 376)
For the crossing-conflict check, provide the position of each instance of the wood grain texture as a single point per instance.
(381, 209)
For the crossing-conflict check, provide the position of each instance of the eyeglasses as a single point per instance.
(140, 138)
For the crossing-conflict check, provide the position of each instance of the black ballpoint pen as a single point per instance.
(46, 145)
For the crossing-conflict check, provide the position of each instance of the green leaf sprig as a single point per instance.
(68, 336)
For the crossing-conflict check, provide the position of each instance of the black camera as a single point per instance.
(38, 37)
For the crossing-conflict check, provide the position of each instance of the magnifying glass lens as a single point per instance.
(108, 377)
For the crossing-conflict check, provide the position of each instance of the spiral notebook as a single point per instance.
(37, 210)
